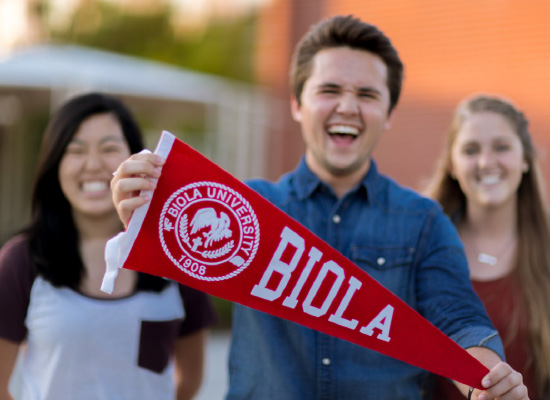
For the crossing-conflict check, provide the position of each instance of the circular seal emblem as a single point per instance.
(209, 231)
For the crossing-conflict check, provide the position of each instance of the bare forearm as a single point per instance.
(187, 390)
(189, 353)
(4, 394)
(502, 382)
(8, 355)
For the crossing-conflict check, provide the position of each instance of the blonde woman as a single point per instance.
(489, 183)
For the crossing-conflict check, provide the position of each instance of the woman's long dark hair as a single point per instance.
(53, 237)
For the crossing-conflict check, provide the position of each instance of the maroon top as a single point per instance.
(507, 309)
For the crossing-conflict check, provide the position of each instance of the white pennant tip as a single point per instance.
(108, 283)
(112, 264)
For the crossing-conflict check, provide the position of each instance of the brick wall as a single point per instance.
(451, 50)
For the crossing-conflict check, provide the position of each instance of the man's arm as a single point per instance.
(502, 382)
(139, 172)
(446, 298)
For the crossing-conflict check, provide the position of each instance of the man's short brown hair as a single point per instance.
(345, 31)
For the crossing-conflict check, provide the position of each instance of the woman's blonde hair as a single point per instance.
(533, 255)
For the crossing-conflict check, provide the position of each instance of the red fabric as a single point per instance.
(207, 230)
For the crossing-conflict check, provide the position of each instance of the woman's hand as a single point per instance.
(139, 172)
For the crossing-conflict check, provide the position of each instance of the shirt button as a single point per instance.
(380, 261)
(336, 219)
(326, 361)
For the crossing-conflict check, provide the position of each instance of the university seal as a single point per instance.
(209, 231)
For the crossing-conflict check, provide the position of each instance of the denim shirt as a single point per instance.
(399, 238)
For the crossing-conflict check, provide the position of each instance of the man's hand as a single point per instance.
(140, 172)
(502, 383)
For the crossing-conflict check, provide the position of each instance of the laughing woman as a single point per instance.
(489, 183)
(144, 342)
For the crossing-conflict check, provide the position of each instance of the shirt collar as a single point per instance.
(307, 182)
(370, 181)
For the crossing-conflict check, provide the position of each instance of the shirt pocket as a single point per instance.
(156, 344)
(389, 265)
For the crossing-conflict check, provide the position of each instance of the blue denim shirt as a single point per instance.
(402, 240)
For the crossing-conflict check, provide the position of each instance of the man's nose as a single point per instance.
(348, 104)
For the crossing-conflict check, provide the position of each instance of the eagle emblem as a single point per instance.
(219, 226)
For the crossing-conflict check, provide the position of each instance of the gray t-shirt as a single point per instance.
(78, 347)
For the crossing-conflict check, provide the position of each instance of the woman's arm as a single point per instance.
(189, 363)
(8, 355)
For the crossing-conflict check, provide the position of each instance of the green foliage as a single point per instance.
(223, 48)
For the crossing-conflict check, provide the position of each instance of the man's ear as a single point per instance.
(295, 109)
(389, 120)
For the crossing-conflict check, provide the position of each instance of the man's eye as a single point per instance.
(367, 95)
(502, 147)
(469, 150)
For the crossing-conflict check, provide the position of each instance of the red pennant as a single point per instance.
(209, 231)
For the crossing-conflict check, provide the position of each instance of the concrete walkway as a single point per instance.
(216, 379)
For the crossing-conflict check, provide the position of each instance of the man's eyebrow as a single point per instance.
(368, 89)
(363, 89)
(329, 85)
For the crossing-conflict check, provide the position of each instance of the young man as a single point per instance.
(346, 81)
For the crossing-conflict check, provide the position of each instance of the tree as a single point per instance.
(224, 48)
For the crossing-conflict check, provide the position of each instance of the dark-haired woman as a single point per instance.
(147, 340)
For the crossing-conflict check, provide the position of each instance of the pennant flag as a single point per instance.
(207, 230)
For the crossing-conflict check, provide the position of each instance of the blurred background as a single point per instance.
(215, 73)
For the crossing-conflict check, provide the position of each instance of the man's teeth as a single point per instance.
(94, 186)
(490, 179)
(343, 130)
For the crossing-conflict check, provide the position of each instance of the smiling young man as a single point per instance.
(343, 111)
(346, 80)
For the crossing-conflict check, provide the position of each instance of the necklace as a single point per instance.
(485, 258)
(488, 259)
